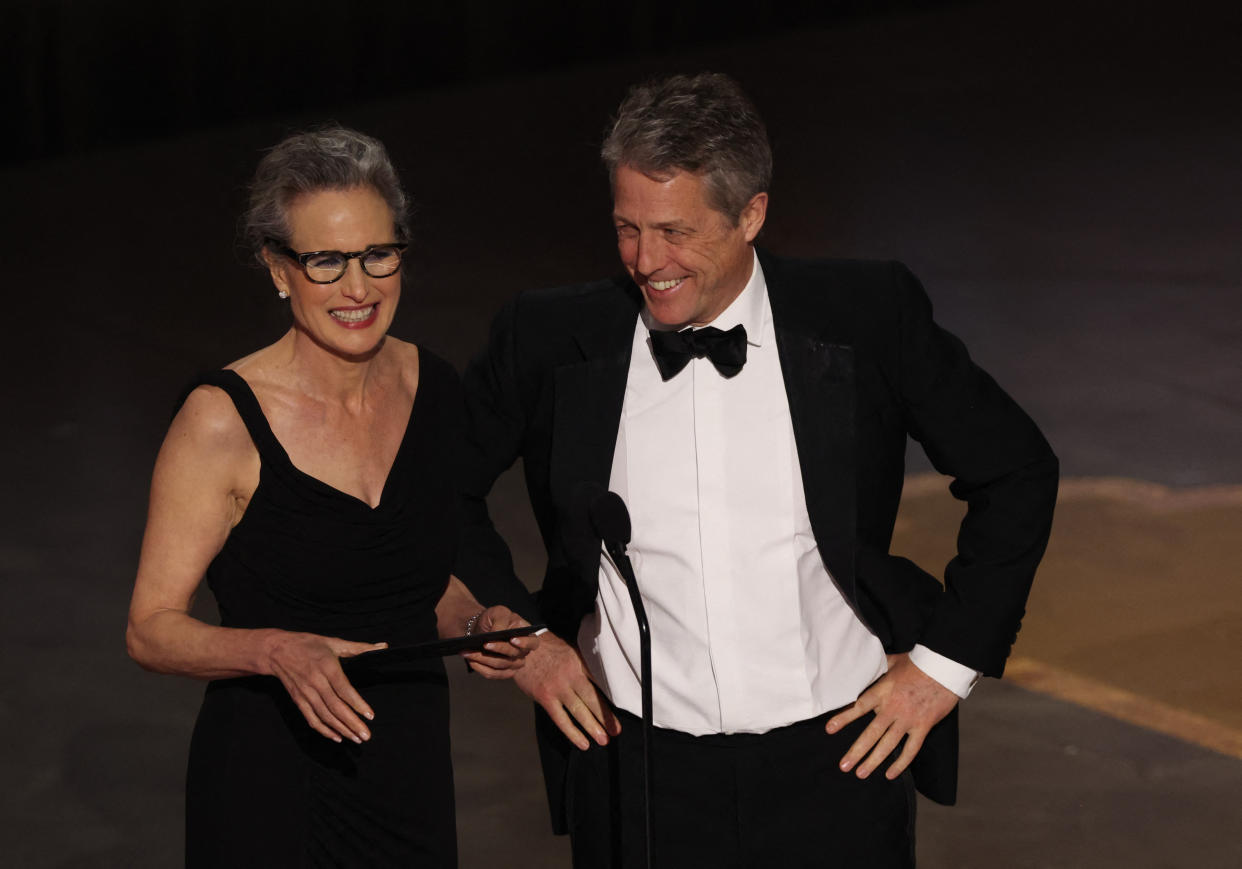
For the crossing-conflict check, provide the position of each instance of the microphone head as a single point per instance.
(610, 518)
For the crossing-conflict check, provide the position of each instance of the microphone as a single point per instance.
(611, 521)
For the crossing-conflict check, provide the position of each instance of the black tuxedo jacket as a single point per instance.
(864, 367)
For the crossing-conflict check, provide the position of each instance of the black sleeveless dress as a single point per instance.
(263, 788)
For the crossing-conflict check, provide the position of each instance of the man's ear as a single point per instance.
(753, 215)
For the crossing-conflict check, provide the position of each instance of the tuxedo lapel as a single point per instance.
(819, 382)
(586, 416)
(821, 388)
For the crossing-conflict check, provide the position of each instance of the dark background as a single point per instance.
(114, 71)
(1065, 178)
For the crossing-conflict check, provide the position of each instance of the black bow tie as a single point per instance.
(673, 350)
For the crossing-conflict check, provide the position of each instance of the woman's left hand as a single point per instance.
(500, 660)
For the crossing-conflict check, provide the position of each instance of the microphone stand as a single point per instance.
(610, 520)
(616, 551)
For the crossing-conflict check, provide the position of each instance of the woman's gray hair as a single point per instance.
(703, 124)
(327, 158)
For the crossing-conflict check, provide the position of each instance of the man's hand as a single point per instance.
(556, 679)
(907, 703)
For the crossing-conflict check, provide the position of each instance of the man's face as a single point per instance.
(688, 259)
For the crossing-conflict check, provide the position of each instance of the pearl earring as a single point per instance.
(282, 294)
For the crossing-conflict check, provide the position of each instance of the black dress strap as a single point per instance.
(248, 409)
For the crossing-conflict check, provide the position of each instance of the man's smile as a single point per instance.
(663, 286)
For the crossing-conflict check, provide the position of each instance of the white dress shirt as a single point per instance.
(748, 630)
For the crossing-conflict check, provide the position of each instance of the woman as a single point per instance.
(311, 484)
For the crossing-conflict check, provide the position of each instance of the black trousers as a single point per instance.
(766, 800)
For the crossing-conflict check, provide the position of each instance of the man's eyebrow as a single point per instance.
(664, 224)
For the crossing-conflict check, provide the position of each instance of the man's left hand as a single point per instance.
(907, 703)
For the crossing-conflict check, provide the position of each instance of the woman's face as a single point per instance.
(350, 316)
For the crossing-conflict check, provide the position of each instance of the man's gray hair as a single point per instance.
(703, 124)
(327, 158)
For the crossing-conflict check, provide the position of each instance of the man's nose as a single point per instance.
(650, 255)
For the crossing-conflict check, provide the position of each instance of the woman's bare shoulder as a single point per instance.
(258, 367)
(209, 421)
(207, 450)
(266, 372)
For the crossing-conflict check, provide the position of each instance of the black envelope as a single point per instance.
(438, 648)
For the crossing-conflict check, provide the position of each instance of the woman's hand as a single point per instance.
(458, 613)
(500, 660)
(309, 667)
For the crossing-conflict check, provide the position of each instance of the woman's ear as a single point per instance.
(276, 268)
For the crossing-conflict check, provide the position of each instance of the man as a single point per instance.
(753, 413)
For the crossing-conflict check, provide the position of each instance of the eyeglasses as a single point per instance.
(327, 266)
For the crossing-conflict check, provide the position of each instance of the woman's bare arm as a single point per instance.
(205, 473)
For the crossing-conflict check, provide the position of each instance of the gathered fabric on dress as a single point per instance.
(263, 788)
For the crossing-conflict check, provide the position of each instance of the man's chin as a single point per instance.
(666, 313)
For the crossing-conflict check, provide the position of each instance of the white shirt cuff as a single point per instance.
(958, 678)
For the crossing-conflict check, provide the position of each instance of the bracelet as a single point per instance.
(472, 621)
